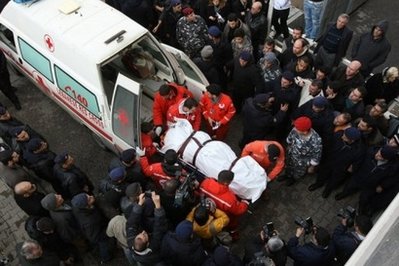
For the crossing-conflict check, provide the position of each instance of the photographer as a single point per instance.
(320, 251)
(267, 244)
(346, 242)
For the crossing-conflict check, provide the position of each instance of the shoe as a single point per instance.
(290, 181)
(315, 186)
(340, 196)
(326, 193)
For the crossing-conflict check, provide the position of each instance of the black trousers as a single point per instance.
(279, 22)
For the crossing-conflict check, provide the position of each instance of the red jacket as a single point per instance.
(146, 143)
(161, 105)
(223, 197)
(222, 111)
(154, 171)
(257, 151)
(175, 111)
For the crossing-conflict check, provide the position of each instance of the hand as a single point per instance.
(158, 130)
(284, 107)
(379, 189)
(299, 231)
(140, 152)
(156, 199)
(141, 199)
(350, 169)
(311, 169)
(156, 145)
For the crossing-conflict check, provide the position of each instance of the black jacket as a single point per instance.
(91, 222)
(345, 243)
(66, 224)
(72, 181)
(32, 204)
(309, 254)
(342, 45)
(180, 252)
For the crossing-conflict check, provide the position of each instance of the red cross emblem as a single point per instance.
(49, 43)
(40, 81)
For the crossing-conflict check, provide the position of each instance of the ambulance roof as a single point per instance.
(81, 33)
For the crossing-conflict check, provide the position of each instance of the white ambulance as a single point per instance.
(95, 62)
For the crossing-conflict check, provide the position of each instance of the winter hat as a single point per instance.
(128, 155)
(245, 55)
(207, 52)
(221, 256)
(352, 133)
(262, 98)
(383, 25)
(49, 202)
(187, 11)
(388, 152)
(303, 123)
(45, 224)
(15, 131)
(270, 57)
(214, 31)
(175, 2)
(133, 190)
(61, 158)
(320, 102)
(184, 230)
(3, 110)
(117, 174)
(288, 75)
(5, 156)
(80, 200)
(214, 89)
(34, 144)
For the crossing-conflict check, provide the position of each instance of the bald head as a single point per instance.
(24, 188)
(256, 8)
(353, 68)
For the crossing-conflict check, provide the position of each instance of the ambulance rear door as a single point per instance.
(125, 117)
(195, 80)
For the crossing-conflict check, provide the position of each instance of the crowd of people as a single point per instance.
(302, 112)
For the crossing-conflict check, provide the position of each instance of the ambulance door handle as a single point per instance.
(20, 61)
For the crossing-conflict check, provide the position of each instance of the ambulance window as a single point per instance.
(187, 69)
(35, 59)
(149, 46)
(7, 36)
(123, 120)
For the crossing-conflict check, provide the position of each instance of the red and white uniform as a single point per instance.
(221, 111)
(176, 111)
(162, 104)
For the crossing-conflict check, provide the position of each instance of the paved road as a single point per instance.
(281, 205)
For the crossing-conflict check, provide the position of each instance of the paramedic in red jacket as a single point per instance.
(185, 109)
(218, 110)
(224, 198)
(160, 172)
(168, 95)
(269, 154)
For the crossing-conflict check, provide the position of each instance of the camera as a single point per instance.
(268, 229)
(306, 224)
(148, 194)
(349, 214)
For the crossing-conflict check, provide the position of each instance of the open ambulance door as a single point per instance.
(195, 80)
(125, 107)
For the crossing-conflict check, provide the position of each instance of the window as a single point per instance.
(77, 91)
(187, 69)
(35, 59)
(7, 36)
(123, 120)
